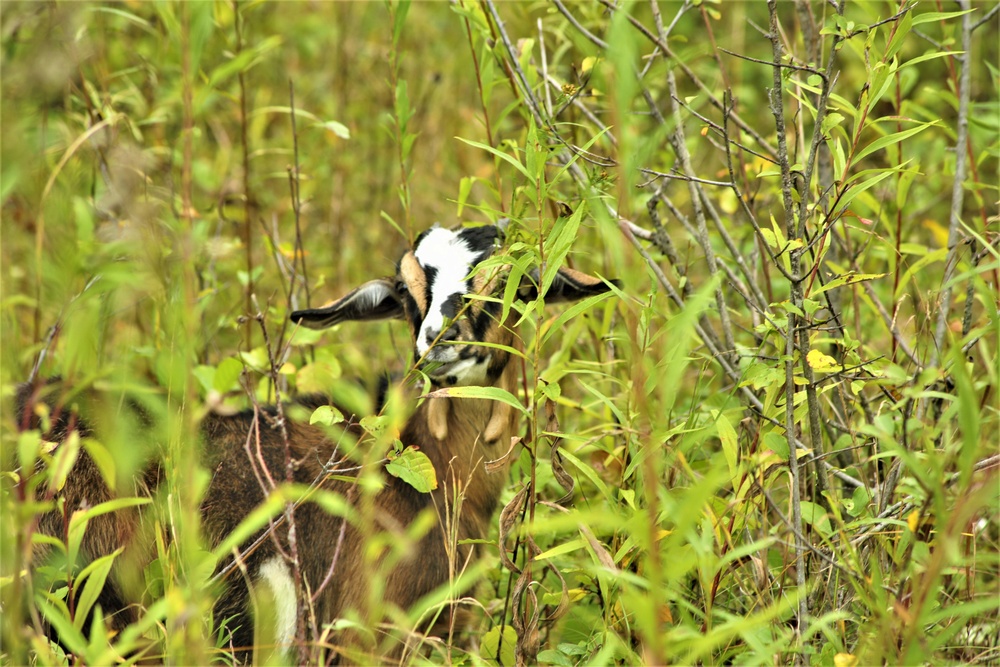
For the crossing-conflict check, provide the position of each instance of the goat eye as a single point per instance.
(401, 287)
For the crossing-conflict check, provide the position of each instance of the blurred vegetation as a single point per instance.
(828, 289)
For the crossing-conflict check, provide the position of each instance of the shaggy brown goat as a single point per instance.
(458, 435)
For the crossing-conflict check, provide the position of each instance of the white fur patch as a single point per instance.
(448, 253)
(371, 295)
(278, 577)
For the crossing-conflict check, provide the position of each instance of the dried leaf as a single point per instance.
(565, 480)
(508, 517)
(501, 463)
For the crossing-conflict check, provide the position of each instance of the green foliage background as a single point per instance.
(154, 185)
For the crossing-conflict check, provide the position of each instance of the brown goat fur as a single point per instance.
(243, 452)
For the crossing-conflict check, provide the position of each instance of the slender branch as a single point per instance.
(793, 232)
(576, 24)
(986, 18)
(680, 149)
(689, 73)
(297, 203)
(245, 143)
(957, 188)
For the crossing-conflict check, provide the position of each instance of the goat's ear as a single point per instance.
(375, 300)
(568, 285)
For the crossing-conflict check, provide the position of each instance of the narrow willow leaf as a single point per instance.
(730, 443)
(589, 473)
(65, 458)
(929, 56)
(564, 548)
(563, 235)
(503, 156)
(280, 109)
(489, 393)
(81, 518)
(847, 279)
(889, 140)
(938, 255)
(855, 190)
(938, 16)
(95, 574)
(69, 635)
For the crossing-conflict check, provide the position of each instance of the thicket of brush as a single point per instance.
(799, 199)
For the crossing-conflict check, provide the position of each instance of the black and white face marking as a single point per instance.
(436, 277)
(429, 291)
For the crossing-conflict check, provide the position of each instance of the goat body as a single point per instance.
(458, 435)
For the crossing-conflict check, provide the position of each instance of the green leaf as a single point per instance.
(855, 190)
(302, 336)
(816, 517)
(937, 16)
(95, 574)
(28, 444)
(242, 62)
(65, 458)
(205, 376)
(929, 56)
(730, 443)
(558, 326)
(926, 258)
(338, 129)
(376, 425)
(503, 156)
(889, 140)
(588, 472)
(832, 120)
(777, 443)
(490, 393)
(104, 459)
(327, 415)
(401, 9)
(413, 467)
(80, 518)
(564, 548)
(553, 657)
(497, 651)
(69, 635)
(563, 235)
(317, 377)
(227, 374)
(464, 188)
(846, 279)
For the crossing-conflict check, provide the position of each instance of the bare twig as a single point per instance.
(792, 232)
(957, 189)
(245, 143)
(680, 149)
(986, 18)
(296, 208)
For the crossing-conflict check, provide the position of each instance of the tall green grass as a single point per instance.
(157, 196)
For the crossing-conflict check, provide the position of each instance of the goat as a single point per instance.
(458, 435)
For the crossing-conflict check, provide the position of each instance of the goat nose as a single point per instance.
(433, 335)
